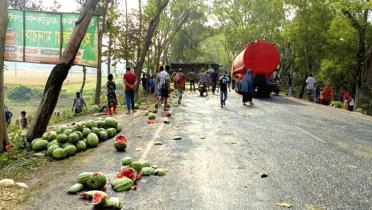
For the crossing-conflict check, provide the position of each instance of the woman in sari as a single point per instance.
(246, 87)
(328, 95)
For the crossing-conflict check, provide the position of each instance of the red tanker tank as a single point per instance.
(262, 58)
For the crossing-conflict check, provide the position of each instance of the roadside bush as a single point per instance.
(337, 104)
(360, 110)
(19, 93)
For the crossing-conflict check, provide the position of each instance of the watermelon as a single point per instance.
(92, 140)
(114, 203)
(111, 122)
(118, 128)
(88, 124)
(54, 142)
(52, 136)
(78, 127)
(136, 106)
(51, 149)
(151, 116)
(126, 161)
(122, 184)
(111, 132)
(154, 111)
(95, 130)
(35, 140)
(67, 132)
(73, 138)
(81, 146)
(59, 153)
(136, 166)
(91, 193)
(76, 188)
(102, 129)
(120, 145)
(83, 177)
(147, 171)
(70, 150)
(66, 144)
(100, 124)
(86, 131)
(94, 124)
(97, 181)
(145, 163)
(161, 172)
(103, 136)
(40, 145)
(61, 129)
(127, 172)
(99, 200)
(85, 140)
(45, 136)
(80, 134)
(62, 138)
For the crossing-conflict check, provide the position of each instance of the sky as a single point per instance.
(71, 5)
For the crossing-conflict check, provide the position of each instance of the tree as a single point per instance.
(359, 21)
(150, 33)
(36, 5)
(3, 26)
(59, 73)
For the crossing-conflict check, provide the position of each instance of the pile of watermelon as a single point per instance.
(133, 171)
(67, 141)
(94, 183)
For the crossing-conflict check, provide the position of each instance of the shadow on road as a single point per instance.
(280, 100)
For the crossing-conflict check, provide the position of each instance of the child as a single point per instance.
(78, 103)
(351, 104)
(24, 122)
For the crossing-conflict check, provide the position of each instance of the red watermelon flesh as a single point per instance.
(121, 138)
(99, 198)
(10, 147)
(127, 172)
(139, 175)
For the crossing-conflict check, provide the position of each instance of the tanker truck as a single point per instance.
(262, 59)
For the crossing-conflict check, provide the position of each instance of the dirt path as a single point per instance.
(48, 187)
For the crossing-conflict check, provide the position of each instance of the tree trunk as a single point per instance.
(59, 73)
(4, 141)
(99, 68)
(126, 33)
(139, 32)
(363, 98)
(109, 55)
(84, 79)
(150, 33)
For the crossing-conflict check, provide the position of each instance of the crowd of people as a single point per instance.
(325, 94)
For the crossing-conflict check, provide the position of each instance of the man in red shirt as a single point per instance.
(130, 81)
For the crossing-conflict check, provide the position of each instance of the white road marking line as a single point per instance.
(317, 138)
(148, 148)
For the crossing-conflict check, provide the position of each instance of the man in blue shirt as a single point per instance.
(8, 116)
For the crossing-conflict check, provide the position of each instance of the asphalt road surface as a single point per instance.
(316, 157)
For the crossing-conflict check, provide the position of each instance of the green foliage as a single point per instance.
(337, 104)
(360, 110)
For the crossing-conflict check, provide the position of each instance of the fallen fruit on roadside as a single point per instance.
(127, 172)
(122, 184)
(83, 177)
(97, 181)
(99, 200)
(114, 203)
(127, 161)
(147, 171)
(76, 188)
(91, 193)
(161, 172)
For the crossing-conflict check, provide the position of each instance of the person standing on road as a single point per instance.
(289, 85)
(111, 95)
(130, 81)
(144, 81)
(180, 79)
(203, 79)
(246, 87)
(310, 87)
(163, 79)
(191, 77)
(224, 81)
(214, 79)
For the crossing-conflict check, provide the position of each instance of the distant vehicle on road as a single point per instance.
(262, 59)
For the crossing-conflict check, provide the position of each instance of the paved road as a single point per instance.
(315, 157)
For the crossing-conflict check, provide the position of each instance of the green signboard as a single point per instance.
(42, 37)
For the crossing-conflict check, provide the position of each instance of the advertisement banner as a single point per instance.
(41, 37)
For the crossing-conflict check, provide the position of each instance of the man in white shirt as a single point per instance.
(310, 87)
(163, 79)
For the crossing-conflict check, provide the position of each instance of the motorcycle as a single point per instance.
(276, 88)
(202, 88)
